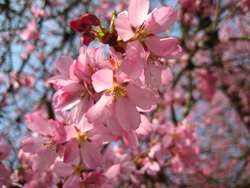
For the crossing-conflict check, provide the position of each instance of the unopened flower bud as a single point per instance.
(79, 26)
(90, 19)
(87, 38)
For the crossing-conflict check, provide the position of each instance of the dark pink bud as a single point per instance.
(87, 38)
(90, 19)
(79, 26)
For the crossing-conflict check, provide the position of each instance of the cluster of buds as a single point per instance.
(84, 24)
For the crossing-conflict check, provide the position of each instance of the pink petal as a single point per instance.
(100, 135)
(102, 80)
(113, 171)
(70, 95)
(81, 70)
(64, 64)
(5, 175)
(161, 46)
(84, 125)
(128, 71)
(62, 169)
(72, 181)
(148, 78)
(145, 126)
(114, 126)
(144, 98)
(175, 54)
(95, 55)
(161, 20)
(170, 129)
(58, 81)
(44, 160)
(123, 27)
(155, 166)
(130, 139)
(40, 125)
(60, 150)
(35, 145)
(91, 156)
(100, 111)
(114, 54)
(71, 151)
(137, 11)
(127, 114)
(167, 140)
(81, 108)
(64, 134)
(162, 73)
(5, 151)
(136, 53)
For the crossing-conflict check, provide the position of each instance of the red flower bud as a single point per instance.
(90, 19)
(87, 38)
(79, 26)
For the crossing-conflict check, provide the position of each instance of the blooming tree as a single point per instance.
(125, 94)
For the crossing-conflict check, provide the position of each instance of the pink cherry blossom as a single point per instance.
(83, 139)
(120, 98)
(136, 24)
(43, 146)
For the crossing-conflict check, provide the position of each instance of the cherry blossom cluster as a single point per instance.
(98, 101)
(114, 119)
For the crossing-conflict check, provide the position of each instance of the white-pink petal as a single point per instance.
(102, 80)
(167, 140)
(35, 145)
(128, 71)
(101, 110)
(100, 135)
(71, 151)
(113, 171)
(143, 98)
(161, 46)
(136, 53)
(40, 125)
(123, 28)
(64, 64)
(69, 96)
(162, 73)
(145, 126)
(64, 134)
(91, 156)
(44, 160)
(127, 114)
(63, 169)
(114, 126)
(84, 125)
(137, 11)
(130, 139)
(161, 20)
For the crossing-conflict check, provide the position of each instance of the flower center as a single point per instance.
(153, 58)
(83, 94)
(50, 144)
(141, 33)
(92, 70)
(117, 90)
(82, 137)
